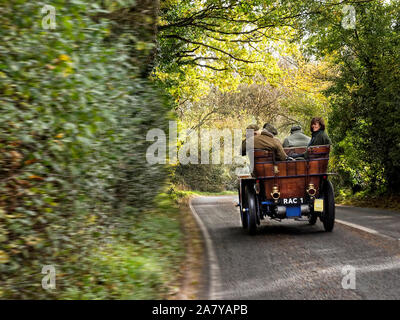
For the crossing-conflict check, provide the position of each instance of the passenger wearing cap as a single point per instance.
(270, 128)
(266, 141)
(319, 137)
(296, 139)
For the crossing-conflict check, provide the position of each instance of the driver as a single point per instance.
(266, 141)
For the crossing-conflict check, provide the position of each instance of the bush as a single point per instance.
(73, 117)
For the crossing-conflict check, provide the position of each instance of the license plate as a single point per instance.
(319, 205)
(292, 201)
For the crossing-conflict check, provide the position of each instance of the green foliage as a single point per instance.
(219, 43)
(76, 104)
(73, 119)
(201, 177)
(139, 261)
(364, 123)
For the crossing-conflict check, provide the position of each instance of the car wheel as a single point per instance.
(252, 211)
(329, 207)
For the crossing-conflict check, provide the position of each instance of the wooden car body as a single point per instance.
(286, 189)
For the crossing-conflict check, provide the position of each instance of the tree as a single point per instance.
(365, 96)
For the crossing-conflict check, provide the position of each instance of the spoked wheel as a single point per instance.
(252, 211)
(328, 215)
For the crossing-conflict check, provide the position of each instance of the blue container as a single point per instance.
(293, 212)
(267, 202)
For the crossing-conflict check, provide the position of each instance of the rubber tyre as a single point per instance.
(243, 215)
(329, 207)
(258, 211)
(252, 212)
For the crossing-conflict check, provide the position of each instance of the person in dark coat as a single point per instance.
(297, 138)
(318, 137)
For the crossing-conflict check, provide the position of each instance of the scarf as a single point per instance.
(313, 136)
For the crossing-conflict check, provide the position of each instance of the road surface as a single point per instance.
(293, 260)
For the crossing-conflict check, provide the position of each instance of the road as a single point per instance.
(293, 260)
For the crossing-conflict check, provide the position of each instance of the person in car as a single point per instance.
(296, 139)
(318, 137)
(266, 141)
(270, 128)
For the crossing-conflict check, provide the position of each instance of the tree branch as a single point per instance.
(209, 67)
(210, 47)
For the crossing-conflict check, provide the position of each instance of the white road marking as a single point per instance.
(310, 278)
(214, 271)
(365, 229)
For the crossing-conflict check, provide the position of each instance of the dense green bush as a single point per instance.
(364, 96)
(206, 177)
(74, 114)
(200, 177)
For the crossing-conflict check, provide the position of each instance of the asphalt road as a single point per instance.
(293, 260)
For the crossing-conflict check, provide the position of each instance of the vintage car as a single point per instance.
(296, 189)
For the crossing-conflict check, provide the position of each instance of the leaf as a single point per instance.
(64, 57)
(85, 141)
(35, 177)
(4, 258)
(28, 162)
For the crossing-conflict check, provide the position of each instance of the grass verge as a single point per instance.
(192, 270)
(362, 199)
(144, 261)
(178, 195)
